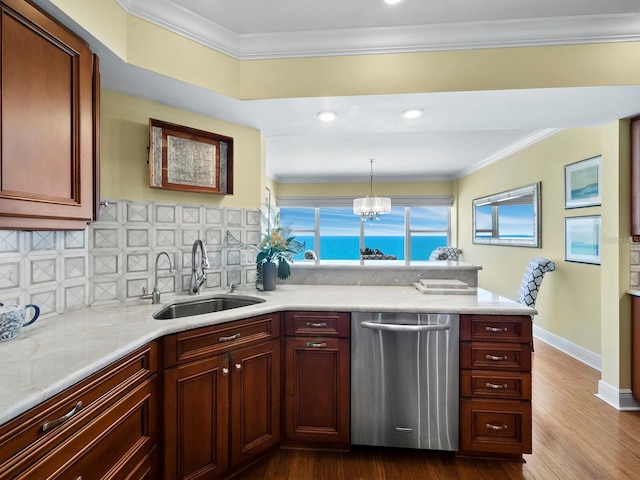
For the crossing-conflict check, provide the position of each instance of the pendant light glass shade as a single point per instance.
(371, 207)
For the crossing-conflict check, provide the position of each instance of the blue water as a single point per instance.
(348, 248)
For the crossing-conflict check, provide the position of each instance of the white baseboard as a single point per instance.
(620, 399)
(617, 398)
(571, 349)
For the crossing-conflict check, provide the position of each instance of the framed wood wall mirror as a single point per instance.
(508, 218)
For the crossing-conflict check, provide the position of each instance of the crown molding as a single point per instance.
(524, 142)
(360, 179)
(379, 40)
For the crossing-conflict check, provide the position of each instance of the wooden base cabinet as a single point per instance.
(222, 408)
(495, 385)
(104, 427)
(317, 380)
(196, 426)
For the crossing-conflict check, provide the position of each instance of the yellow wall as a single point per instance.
(107, 21)
(569, 300)
(124, 172)
(146, 45)
(615, 309)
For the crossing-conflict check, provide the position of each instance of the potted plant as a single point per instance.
(274, 252)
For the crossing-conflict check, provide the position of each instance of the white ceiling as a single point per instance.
(459, 132)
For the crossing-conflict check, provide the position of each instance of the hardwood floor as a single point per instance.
(575, 436)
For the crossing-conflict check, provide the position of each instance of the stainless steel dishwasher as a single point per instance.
(404, 380)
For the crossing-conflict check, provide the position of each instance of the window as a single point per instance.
(331, 230)
(429, 229)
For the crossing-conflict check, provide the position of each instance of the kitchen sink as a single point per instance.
(206, 305)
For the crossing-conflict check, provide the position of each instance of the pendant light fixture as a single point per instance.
(371, 207)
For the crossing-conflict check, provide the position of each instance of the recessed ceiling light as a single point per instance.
(412, 113)
(327, 116)
(392, 2)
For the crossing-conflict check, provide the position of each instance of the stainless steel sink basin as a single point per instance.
(205, 305)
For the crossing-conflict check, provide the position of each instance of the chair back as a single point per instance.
(532, 279)
(445, 253)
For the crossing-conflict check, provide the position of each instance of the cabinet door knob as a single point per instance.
(238, 366)
(225, 371)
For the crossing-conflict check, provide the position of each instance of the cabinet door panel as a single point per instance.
(317, 398)
(326, 324)
(496, 328)
(496, 356)
(205, 342)
(196, 421)
(26, 93)
(255, 400)
(499, 426)
(47, 131)
(481, 383)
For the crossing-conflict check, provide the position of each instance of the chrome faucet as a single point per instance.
(198, 280)
(233, 288)
(155, 294)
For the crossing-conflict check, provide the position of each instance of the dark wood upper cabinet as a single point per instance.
(635, 178)
(49, 97)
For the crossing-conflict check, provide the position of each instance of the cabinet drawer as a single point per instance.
(496, 328)
(24, 436)
(204, 342)
(496, 426)
(478, 383)
(121, 436)
(500, 356)
(326, 324)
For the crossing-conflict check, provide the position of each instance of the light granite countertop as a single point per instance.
(57, 352)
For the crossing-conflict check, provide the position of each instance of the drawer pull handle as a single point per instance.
(316, 345)
(490, 426)
(495, 358)
(317, 324)
(54, 423)
(229, 338)
(495, 329)
(496, 386)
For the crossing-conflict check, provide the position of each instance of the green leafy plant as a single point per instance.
(277, 245)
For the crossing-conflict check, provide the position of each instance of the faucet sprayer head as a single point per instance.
(204, 261)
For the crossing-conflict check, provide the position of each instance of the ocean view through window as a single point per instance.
(408, 233)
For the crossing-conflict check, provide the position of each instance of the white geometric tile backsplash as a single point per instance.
(114, 258)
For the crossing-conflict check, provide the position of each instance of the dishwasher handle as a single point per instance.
(392, 327)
